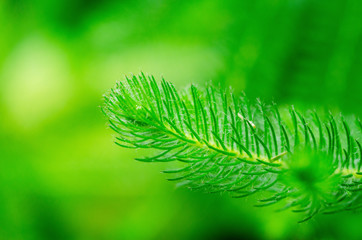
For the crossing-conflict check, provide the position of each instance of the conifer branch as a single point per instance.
(225, 143)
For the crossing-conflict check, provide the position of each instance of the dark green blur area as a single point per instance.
(61, 176)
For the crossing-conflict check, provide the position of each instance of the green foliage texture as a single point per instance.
(229, 144)
(62, 178)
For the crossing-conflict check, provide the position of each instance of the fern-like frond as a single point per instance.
(225, 143)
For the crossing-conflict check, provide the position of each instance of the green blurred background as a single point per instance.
(61, 176)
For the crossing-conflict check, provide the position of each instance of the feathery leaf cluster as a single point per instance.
(225, 143)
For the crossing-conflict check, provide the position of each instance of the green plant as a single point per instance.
(225, 143)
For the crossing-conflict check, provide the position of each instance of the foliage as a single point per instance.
(60, 176)
(227, 143)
